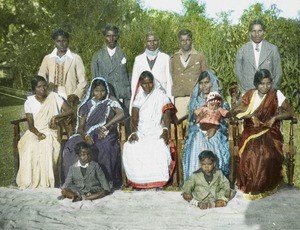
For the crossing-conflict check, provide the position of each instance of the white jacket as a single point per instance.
(160, 71)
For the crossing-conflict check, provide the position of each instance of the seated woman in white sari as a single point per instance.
(39, 147)
(146, 155)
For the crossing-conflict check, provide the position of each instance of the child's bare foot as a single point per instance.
(60, 197)
(220, 203)
(203, 205)
(188, 197)
(76, 198)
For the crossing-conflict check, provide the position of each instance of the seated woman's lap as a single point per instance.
(197, 141)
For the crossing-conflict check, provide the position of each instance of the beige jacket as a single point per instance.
(184, 78)
(74, 72)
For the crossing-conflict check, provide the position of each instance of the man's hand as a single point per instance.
(73, 100)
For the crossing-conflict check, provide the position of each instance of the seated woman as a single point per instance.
(260, 145)
(98, 116)
(146, 155)
(39, 147)
(197, 140)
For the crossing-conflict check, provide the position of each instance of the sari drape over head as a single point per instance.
(148, 162)
(197, 140)
(105, 151)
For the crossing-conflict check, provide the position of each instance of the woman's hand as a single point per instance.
(133, 137)
(40, 136)
(103, 132)
(270, 122)
(88, 139)
(165, 135)
(256, 121)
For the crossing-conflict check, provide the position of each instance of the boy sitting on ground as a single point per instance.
(85, 180)
(207, 187)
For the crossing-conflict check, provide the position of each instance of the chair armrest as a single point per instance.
(16, 122)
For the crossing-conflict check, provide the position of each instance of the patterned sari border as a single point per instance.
(241, 150)
(249, 196)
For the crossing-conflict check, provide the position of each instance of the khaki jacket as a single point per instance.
(184, 78)
(202, 191)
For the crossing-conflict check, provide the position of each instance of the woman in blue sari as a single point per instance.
(98, 115)
(197, 141)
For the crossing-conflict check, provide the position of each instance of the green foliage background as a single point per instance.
(26, 25)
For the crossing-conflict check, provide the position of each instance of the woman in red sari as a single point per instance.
(260, 145)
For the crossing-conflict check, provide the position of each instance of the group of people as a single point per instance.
(162, 90)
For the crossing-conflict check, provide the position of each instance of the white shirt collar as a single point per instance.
(254, 45)
(67, 54)
(80, 165)
(111, 52)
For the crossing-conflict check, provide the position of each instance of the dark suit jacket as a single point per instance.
(94, 179)
(114, 70)
(245, 67)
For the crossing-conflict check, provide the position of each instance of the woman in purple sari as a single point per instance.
(98, 116)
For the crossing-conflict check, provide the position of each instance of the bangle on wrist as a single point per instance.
(165, 128)
(36, 132)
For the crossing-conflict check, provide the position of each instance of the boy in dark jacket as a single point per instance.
(85, 180)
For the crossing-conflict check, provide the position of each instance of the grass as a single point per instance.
(11, 109)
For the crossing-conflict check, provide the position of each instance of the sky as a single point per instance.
(290, 8)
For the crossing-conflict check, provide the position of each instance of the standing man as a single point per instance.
(63, 69)
(255, 55)
(110, 63)
(186, 66)
(155, 61)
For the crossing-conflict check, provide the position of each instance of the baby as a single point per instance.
(85, 180)
(207, 187)
(209, 116)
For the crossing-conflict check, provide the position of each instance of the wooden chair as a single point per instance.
(234, 131)
(235, 127)
(63, 136)
(123, 139)
(178, 133)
